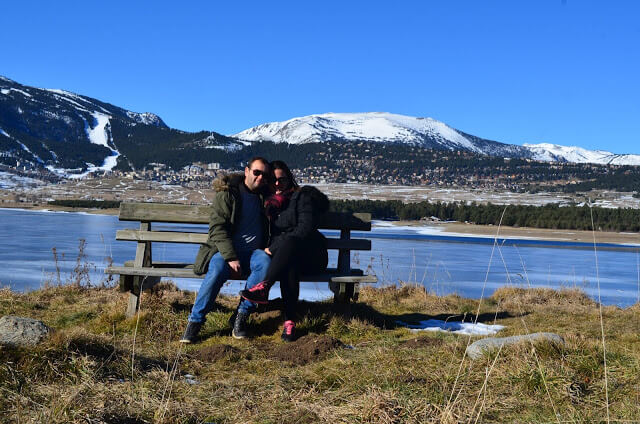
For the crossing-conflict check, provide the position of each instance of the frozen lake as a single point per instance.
(444, 264)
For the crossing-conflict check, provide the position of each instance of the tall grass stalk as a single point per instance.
(533, 347)
(484, 387)
(135, 331)
(169, 385)
(424, 276)
(85, 383)
(484, 285)
(604, 346)
(426, 268)
(414, 267)
(81, 272)
(57, 265)
(524, 267)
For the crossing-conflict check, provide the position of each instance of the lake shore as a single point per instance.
(458, 228)
(54, 208)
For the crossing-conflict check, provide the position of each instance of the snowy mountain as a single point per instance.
(555, 153)
(72, 135)
(66, 133)
(373, 126)
(427, 132)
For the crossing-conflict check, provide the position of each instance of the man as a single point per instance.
(238, 233)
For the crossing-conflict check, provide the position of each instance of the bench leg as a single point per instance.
(132, 306)
(126, 283)
(135, 286)
(344, 293)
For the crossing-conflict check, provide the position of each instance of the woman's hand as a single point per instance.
(267, 251)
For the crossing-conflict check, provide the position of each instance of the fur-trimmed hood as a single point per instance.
(224, 182)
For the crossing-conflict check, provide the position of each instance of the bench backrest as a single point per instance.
(146, 213)
(197, 214)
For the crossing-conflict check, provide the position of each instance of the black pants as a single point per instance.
(293, 258)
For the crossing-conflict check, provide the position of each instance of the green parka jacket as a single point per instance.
(225, 208)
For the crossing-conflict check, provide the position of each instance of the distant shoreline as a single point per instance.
(446, 228)
(548, 234)
(54, 208)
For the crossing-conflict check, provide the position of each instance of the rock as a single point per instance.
(20, 331)
(477, 349)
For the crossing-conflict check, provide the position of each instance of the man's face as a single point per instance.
(255, 175)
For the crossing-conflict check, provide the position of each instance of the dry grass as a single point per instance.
(385, 374)
(514, 296)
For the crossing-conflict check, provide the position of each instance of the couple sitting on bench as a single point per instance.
(264, 227)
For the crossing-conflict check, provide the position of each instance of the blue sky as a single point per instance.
(561, 71)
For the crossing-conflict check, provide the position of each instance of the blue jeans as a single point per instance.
(257, 262)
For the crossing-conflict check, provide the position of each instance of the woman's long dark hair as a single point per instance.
(278, 164)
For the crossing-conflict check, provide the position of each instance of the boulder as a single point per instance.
(21, 331)
(476, 349)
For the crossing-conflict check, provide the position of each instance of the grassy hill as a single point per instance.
(351, 364)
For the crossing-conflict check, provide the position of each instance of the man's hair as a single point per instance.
(255, 158)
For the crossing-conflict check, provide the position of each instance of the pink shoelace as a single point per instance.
(289, 326)
(260, 286)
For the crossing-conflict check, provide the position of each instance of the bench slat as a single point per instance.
(199, 238)
(162, 212)
(346, 221)
(199, 214)
(161, 236)
(330, 275)
(181, 265)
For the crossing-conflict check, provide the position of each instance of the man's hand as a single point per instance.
(236, 269)
(267, 251)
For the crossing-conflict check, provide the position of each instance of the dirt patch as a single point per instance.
(422, 342)
(306, 349)
(216, 352)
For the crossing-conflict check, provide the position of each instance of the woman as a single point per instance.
(296, 245)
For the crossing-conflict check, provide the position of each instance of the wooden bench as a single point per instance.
(143, 272)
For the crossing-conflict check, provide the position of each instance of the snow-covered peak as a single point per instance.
(146, 118)
(64, 93)
(555, 153)
(370, 126)
(427, 132)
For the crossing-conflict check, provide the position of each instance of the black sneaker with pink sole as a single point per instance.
(258, 293)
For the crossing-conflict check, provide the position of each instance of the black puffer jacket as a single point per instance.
(300, 220)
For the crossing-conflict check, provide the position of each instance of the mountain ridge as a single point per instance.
(71, 135)
(422, 131)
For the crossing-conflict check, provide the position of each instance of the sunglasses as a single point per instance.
(282, 180)
(257, 173)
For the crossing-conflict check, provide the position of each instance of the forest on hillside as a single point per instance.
(571, 217)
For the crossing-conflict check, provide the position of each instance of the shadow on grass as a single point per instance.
(316, 315)
(105, 353)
